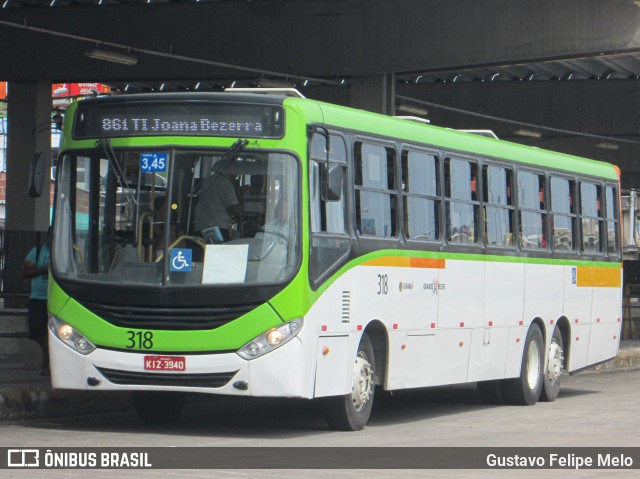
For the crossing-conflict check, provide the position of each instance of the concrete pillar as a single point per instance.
(29, 132)
(374, 93)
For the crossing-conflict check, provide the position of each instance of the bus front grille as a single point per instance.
(136, 378)
(168, 318)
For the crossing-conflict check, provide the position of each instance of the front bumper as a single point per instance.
(276, 374)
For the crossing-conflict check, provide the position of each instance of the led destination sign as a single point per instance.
(170, 119)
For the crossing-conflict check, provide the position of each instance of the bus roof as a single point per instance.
(453, 140)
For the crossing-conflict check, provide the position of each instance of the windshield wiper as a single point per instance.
(224, 161)
(230, 155)
(113, 160)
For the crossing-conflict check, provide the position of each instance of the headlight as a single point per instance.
(70, 336)
(272, 339)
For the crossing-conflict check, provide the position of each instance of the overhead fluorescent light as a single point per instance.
(529, 133)
(411, 108)
(607, 146)
(109, 56)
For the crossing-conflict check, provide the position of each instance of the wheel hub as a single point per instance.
(533, 365)
(554, 365)
(362, 382)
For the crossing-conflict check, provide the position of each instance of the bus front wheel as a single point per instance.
(351, 412)
(159, 407)
(525, 389)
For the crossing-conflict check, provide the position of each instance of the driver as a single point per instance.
(217, 204)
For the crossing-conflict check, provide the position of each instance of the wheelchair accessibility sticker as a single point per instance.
(180, 260)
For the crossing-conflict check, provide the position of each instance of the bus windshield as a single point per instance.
(177, 217)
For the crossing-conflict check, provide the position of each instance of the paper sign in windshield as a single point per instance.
(225, 263)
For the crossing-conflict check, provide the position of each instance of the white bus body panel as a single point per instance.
(504, 294)
(544, 292)
(462, 301)
(471, 326)
(443, 323)
(332, 370)
(577, 310)
(489, 349)
(606, 324)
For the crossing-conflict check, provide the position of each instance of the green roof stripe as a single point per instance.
(414, 132)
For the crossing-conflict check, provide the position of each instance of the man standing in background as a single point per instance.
(36, 268)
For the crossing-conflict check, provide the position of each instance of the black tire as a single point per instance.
(351, 412)
(158, 408)
(525, 390)
(491, 392)
(554, 366)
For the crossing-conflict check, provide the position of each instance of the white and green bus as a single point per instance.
(361, 251)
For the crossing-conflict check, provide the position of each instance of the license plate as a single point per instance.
(165, 363)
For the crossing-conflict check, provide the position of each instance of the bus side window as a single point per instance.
(499, 211)
(462, 207)
(563, 215)
(591, 217)
(532, 213)
(375, 190)
(421, 195)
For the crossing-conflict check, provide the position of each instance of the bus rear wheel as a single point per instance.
(351, 412)
(525, 390)
(158, 408)
(553, 369)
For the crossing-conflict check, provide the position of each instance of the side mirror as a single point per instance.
(331, 181)
(36, 175)
(330, 174)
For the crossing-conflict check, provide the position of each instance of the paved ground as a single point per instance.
(596, 410)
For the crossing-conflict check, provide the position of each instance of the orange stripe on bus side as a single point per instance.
(594, 277)
(388, 261)
(428, 263)
(404, 262)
